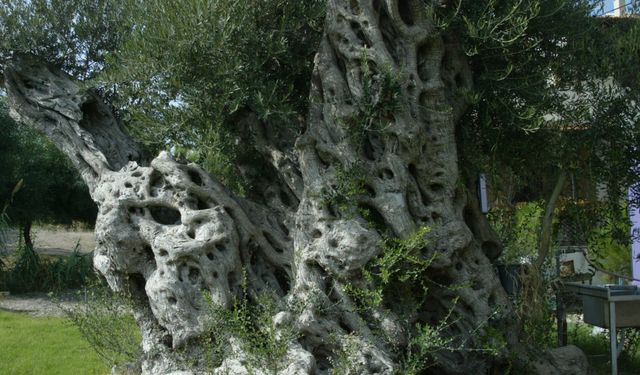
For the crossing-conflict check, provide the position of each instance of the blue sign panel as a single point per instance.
(634, 215)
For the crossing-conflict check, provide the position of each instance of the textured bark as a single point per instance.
(167, 230)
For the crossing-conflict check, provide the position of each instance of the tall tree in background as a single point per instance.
(338, 165)
(29, 159)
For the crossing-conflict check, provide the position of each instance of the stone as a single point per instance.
(566, 360)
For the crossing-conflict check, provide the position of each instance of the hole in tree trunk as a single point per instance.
(285, 199)
(355, 7)
(194, 275)
(283, 280)
(195, 177)
(406, 9)
(373, 217)
(202, 205)
(165, 215)
(362, 38)
(167, 341)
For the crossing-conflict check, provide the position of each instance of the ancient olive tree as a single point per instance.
(356, 247)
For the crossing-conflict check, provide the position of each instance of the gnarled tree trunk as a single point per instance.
(384, 106)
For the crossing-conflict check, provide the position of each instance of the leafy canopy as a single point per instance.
(184, 73)
(50, 188)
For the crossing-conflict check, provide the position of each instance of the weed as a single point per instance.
(251, 325)
(344, 362)
(105, 320)
(380, 96)
(400, 266)
(349, 184)
(32, 273)
(398, 280)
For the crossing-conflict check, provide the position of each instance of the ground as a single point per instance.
(49, 240)
(52, 240)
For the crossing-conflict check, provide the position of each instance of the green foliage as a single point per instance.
(402, 260)
(343, 362)
(349, 183)
(184, 73)
(551, 93)
(397, 279)
(251, 322)
(518, 229)
(426, 340)
(74, 34)
(379, 97)
(603, 229)
(399, 271)
(50, 188)
(596, 346)
(105, 320)
(189, 68)
(29, 272)
(181, 72)
(44, 345)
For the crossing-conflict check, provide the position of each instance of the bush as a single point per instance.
(29, 272)
(105, 320)
(596, 347)
(517, 229)
(250, 321)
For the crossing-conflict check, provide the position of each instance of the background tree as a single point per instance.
(50, 188)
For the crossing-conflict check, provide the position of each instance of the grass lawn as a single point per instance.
(38, 346)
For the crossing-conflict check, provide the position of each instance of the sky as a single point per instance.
(608, 6)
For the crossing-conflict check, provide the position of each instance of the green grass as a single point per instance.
(596, 347)
(36, 346)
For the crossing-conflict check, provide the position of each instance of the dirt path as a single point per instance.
(48, 242)
(57, 242)
(36, 304)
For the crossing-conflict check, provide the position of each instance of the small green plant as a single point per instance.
(518, 230)
(105, 320)
(398, 280)
(380, 96)
(30, 272)
(252, 324)
(400, 266)
(344, 362)
(349, 184)
(424, 342)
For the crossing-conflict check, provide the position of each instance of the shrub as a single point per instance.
(29, 272)
(252, 324)
(106, 322)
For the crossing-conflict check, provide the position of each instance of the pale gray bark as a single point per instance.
(168, 230)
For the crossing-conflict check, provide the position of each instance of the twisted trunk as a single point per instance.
(384, 105)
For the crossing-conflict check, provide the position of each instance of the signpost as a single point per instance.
(482, 193)
(634, 215)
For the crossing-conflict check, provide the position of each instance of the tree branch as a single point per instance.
(544, 240)
(77, 121)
